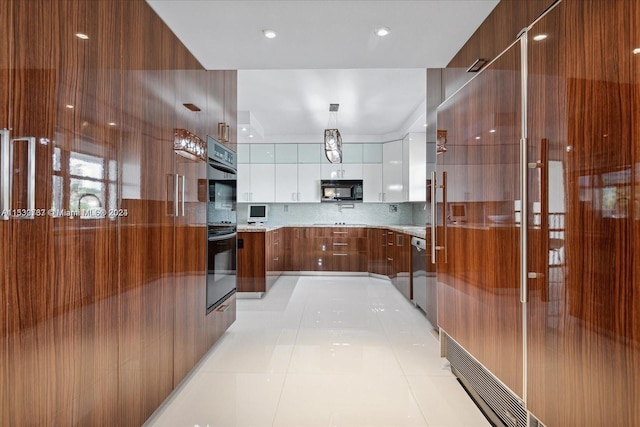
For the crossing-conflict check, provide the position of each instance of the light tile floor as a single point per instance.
(323, 351)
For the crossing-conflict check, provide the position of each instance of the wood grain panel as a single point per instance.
(252, 268)
(583, 326)
(401, 255)
(231, 107)
(478, 273)
(378, 251)
(495, 34)
(146, 312)
(30, 339)
(6, 52)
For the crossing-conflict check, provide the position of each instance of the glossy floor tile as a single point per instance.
(323, 351)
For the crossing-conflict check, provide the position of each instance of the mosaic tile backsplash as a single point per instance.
(355, 213)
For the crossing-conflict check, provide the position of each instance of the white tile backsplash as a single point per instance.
(330, 213)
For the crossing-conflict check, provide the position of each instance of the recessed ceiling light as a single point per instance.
(244, 129)
(539, 37)
(112, 123)
(477, 137)
(69, 106)
(270, 34)
(492, 131)
(382, 31)
(636, 51)
(250, 136)
(82, 36)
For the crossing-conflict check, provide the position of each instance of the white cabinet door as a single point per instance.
(309, 182)
(286, 183)
(416, 159)
(341, 171)
(262, 179)
(372, 182)
(351, 171)
(244, 182)
(392, 182)
(331, 171)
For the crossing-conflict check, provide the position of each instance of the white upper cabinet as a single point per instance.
(415, 166)
(393, 187)
(372, 182)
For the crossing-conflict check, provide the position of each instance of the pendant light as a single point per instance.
(332, 138)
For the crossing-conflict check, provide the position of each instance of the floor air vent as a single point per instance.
(507, 407)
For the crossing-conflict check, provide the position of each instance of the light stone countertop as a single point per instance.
(413, 230)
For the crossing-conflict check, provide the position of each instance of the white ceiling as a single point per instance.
(326, 52)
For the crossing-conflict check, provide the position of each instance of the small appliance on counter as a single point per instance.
(257, 214)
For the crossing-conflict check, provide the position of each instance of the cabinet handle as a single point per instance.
(175, 195)
(434, 223)
(524, 221)
(340, 244)
(5, 170)
(223, 308)
(340, 254)
(340, 232)
(31, 174)
(182, 187)
(444, 217)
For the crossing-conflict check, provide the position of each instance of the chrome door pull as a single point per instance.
(5, 177)
(31, 174)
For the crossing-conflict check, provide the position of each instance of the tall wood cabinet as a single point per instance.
(548, 315)
(103, 290)
(582, 326)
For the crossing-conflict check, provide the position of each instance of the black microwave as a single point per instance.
(343, 190)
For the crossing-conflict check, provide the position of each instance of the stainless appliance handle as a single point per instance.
(31, 173)
(222, 237)
(5, 177)
(434, 223)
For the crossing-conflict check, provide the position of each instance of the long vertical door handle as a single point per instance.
(31, 173)
(182, 188)
(175, 194)
(434, 223)
(5, 175)
(444, 216)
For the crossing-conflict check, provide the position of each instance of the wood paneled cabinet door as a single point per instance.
(252, 262)
(401, 261)
(583, 326)
(478, 265)
(378, 251)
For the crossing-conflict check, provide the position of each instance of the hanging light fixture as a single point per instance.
(332, 138)
(189, 145)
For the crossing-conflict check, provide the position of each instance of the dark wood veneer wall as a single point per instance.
(102, 318)
(498, 31)
(582, 324)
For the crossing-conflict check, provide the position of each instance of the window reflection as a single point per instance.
(88, 189)
(609, 194)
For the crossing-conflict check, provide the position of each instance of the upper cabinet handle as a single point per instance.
(5, 170)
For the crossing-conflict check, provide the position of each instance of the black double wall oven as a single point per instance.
(221, 224)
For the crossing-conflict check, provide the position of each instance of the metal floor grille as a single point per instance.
(506, 406)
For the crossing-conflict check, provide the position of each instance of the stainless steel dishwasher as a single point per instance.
(425, 294)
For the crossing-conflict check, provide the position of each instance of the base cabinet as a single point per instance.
(260, 260)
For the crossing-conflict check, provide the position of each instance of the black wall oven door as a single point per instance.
(221, 266)
(221, 224)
